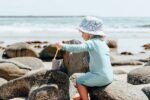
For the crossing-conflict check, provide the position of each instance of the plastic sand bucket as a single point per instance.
(56, 63)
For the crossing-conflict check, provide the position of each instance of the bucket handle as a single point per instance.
(56, 54)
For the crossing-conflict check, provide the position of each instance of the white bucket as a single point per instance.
(56, 64)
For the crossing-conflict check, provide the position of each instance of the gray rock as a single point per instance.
(145, 60)
(32, 62)
(75, 62)
(118, 72)
(122, 63)
(49, 52)
(20, 87)
(126, 53)
(139, 76)
(72, 42)
(117, 91)
(46, 92)
(19, 50)
(10, 69)
(146, 46)
(112, 43)
(19, 98)
(147, 64)
(146, 90)
(2, 81)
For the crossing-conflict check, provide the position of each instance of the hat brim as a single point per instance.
(101, 33)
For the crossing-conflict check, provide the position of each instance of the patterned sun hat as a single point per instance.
(92, 25)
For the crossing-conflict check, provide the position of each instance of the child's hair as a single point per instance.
(98, 36)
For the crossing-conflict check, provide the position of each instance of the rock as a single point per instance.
(146, 90)
(119, 72)
(75, 62)
(120, 77)
(112, 43)
(142, 52)
(74, 77)
(32, 62)
(117, 91)
(1, 47)
(146, 46)
(10, 69)
(19, 50)
(37, 42)
(49, 52)
(20, 87)
(126, 53)
(147, 64)
(139, 76)
(18, 98)
(72, 89)
(46, 92)
(119, 63)
(72, 42)
(37, 46)
(2, 81)
(45, 46)
(145, 60)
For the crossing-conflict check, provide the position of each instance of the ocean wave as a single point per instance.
(145, 26)
(71, 29)
(127, 30)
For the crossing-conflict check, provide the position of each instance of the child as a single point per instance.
(100, 73)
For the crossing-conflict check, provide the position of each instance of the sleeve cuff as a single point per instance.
(63, 46)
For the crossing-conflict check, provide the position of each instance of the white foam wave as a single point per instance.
(36, 28)
(127, 30)
(26, 29)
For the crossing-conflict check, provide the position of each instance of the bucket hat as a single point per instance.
(91, 25)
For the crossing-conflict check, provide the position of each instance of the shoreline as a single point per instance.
(132, 45)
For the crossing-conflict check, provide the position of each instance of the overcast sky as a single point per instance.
(75, 7)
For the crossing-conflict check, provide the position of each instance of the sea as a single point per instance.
(129, 32)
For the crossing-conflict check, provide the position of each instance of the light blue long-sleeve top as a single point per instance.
(100, 73)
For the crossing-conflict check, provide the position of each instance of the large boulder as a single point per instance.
(139, 76)
(45, 92)
(20, 87)
(49, 52)
(112, 43)
(117, 91)
(19, 50)
(146, 90)
(10, 69)
(2, 81)
(75, 62)
(33, 62)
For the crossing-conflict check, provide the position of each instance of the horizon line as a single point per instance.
(63, 16)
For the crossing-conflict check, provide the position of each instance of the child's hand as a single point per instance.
(58, 45)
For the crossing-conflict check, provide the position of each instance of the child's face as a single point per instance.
(85, 36)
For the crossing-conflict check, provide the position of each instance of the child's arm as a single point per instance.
(76, 47)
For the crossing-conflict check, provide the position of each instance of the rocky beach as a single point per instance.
(26, 73)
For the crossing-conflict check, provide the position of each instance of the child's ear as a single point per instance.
(90, 36)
